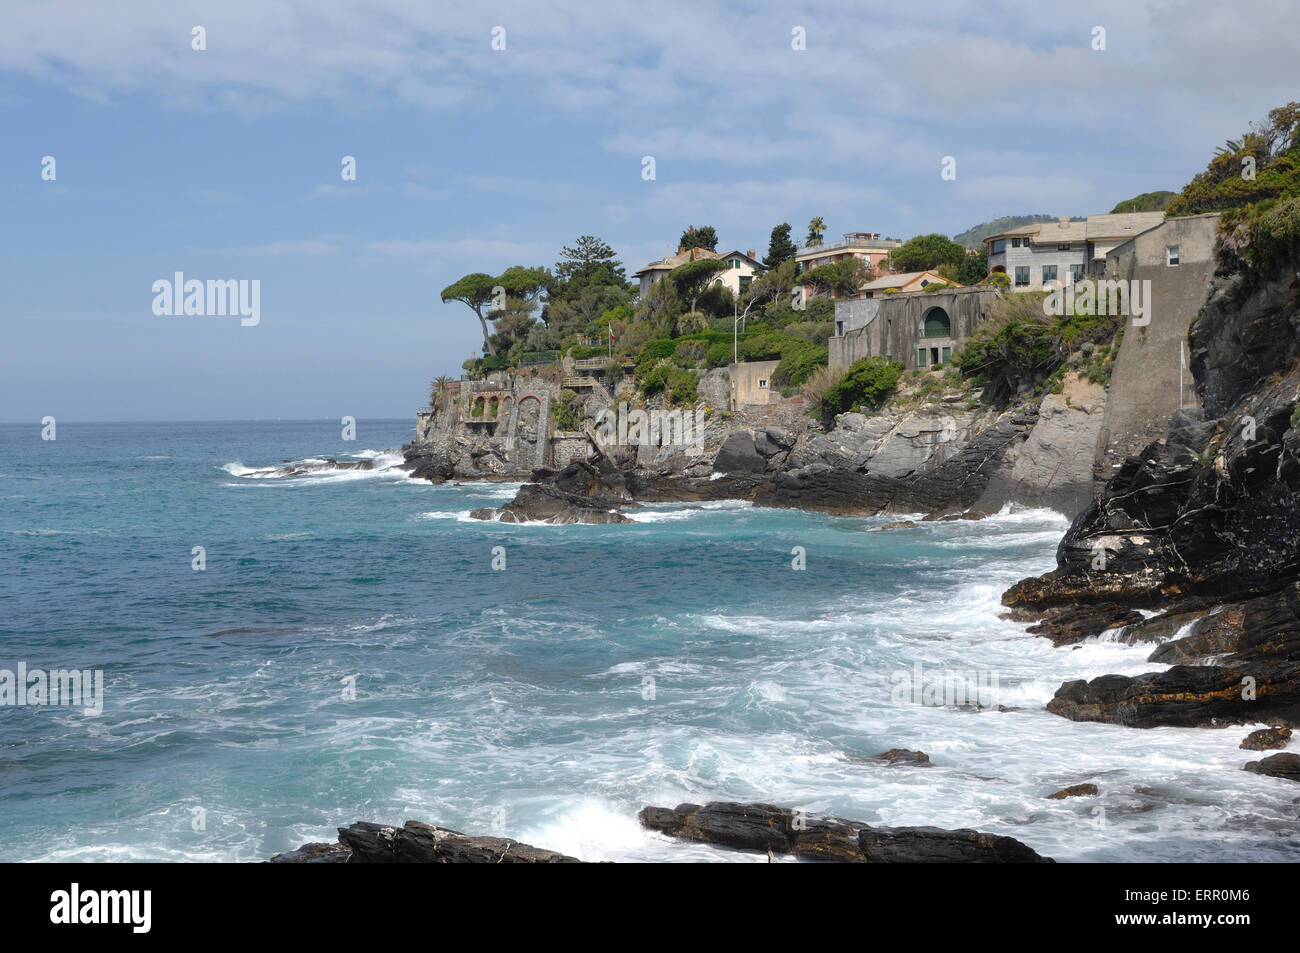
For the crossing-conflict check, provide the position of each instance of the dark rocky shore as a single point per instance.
(746, 827)
(1191, 547)
(1202, 528)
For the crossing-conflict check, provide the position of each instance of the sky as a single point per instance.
(225, 163)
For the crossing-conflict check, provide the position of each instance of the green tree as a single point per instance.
(971, 270)
(780, 247)
(768, 288)
(703, 237)
(474, 290)
(840, 279)
(816, 229)
(693, 278)
(524, 290)
(927, 252)
(589, 261)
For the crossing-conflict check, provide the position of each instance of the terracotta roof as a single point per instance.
(899, 280)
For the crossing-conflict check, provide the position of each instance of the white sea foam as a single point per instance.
(313, 471)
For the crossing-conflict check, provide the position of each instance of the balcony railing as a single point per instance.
(936, 333)
(875, 244)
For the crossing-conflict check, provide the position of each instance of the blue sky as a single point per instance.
(225, 163)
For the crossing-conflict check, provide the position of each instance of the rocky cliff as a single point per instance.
(1202, 528)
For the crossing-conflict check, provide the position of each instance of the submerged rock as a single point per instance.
(1074, 790)
(1267, 738)
(903, 756)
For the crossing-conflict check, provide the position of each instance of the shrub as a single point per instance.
(864, 386)
(719, 354)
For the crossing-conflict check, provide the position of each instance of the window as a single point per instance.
(1076, 273)
(946, 355)
(745, 282)
(922, 355)
(1172, 254)
(1015, 243)
(999, 246)
(1022, 275)
(1062, 247)
(762, 382)
(1049, 273)
(924, 282)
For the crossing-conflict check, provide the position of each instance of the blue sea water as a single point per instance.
(604, 668)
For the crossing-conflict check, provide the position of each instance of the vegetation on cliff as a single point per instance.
(1250, 175)
(1021, 348)
(1146, 202)
(864, 386)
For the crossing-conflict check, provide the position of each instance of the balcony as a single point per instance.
(869, 244)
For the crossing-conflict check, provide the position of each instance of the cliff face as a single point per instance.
(1204, 525)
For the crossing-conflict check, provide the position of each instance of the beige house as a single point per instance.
(903, 282)
(742, 268)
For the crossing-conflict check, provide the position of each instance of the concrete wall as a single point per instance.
(1151, 378)
(854, 313)
(1194, 235)
(894, 331)
(746, 379)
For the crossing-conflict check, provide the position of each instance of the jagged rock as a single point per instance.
(315, 854)
(1186, 695)
(579, 493)
(764, 827)
(900, 524)
(417, 843)
(1285, 766)
(739, 454)
(1067, 625)
(1074, 790)
(1265, 739)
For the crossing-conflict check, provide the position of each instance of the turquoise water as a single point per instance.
(517, 701)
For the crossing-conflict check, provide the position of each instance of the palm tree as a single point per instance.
(816, 229)
(440, 391)
(1231, 147)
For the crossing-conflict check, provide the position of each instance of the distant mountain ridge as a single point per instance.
(974, 237)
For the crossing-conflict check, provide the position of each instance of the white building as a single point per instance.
(1036, 255)
(741, 268)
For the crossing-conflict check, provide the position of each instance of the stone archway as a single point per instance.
(935, 323)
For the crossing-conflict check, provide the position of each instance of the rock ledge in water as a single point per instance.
(763, 827)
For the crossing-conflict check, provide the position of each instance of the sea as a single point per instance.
(284, 655)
